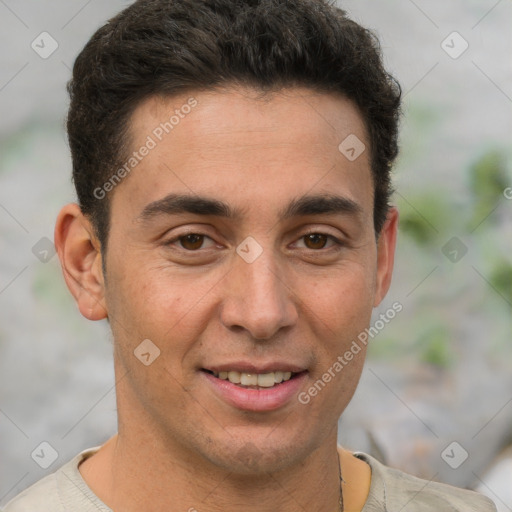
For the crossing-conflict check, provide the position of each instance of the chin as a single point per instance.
(247, 454)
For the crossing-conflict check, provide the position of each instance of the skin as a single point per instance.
(179, 445)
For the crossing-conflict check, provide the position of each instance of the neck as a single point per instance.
(136, 471)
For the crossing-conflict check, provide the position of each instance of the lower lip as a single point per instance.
(264, 399)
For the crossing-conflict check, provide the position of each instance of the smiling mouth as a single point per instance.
(250, 380)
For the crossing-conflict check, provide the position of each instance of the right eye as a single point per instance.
(190, 241)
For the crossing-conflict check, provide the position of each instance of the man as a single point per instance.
(232, 163)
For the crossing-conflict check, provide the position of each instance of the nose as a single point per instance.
(257, 298)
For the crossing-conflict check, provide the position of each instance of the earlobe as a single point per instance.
(80, 256)
(386, 255)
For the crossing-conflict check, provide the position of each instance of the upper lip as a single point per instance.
(251, 367)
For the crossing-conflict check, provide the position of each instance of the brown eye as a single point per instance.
(315, 240)
(191, 242)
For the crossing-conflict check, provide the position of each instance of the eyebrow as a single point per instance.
(174, 204)
(320, 205)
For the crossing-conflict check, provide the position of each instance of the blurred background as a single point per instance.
(435, 398)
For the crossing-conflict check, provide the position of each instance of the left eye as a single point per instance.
(318, 240)
(191, 241)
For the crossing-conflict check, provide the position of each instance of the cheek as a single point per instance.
(342, 301)
(153, 303)
(149, 305)
(339, 310)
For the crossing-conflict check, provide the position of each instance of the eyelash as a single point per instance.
(183, 235)
(338, 243)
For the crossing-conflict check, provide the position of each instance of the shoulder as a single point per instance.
(43, 495)
(60, 491)
(393, 490)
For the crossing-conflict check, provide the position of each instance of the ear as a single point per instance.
(386, 255)
(80, 256)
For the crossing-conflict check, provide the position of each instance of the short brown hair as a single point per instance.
(166, 47)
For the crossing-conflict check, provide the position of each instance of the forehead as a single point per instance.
(239, 145)
(287, 114)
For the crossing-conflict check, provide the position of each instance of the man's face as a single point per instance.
(284, 300)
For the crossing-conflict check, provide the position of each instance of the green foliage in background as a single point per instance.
(428, 219)
(487, 181)
(501, 279)
(434, 347)
(423, 216)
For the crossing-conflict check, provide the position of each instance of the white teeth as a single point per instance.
(263, 380)
(249, 379)
(234, 377)
(266, 380)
